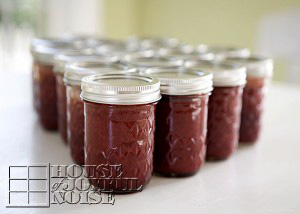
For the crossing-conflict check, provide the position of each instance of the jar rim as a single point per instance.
(181, 81)
(153, 42)
(224, 73)
(82, 55)
(118, 48)
(147, 59)
(256, 66)
(75, 71)
(120, 89)
(223, 51)
(44, 50)
(185, 53)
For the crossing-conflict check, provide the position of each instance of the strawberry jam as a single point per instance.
(119, 129)
(75, 116)
(181, 120)
(224, 106)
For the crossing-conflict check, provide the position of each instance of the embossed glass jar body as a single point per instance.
(224, 109)
(180, 134)
(120, 134)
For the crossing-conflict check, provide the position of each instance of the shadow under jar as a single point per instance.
(119, 130)
(60, 61)
(259, 72)
(181, 119)
(44, 82)
(224, 107)
(75, 114)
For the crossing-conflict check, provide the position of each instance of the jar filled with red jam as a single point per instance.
(59, 69)
(259, 73)
(75, 115)
(119, 129)
(44, 82)
(148, 59)
(224, 107)
(181, 119)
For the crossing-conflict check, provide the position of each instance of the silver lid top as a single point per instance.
(223, 51)
(149, 59)
(61, 59)
(224, 74)
(257, 66)
(43, 50)
(117, 48)
(185, 52)
(181, 81)
(153, 43)
(120, 89)
(74, 72)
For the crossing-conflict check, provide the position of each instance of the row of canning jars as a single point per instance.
(112, 103)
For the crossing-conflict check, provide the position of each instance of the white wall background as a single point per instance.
(72, 16)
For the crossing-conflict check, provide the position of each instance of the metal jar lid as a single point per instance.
(120, 89)
(257, 66)
(181, 81)
(185, 52)
(224, 74)
(223, 51)
(117, 48)
(74, 72)
(153, 43)
(43, 50)
(61, 59)
(148, 59)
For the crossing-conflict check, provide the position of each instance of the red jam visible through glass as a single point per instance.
(119, 134)
(180, 134)
(45, 95)
(75, 124)
(224, 110)
(253, 96)
(61, 106)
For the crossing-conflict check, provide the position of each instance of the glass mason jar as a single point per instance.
(259, 73)
(43, 79)
(119, 129)
(60, 61)
(221, 52)
(148, 59)
(75, 115)
(224, 107)
(181, 119)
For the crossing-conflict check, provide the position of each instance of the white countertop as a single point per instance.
(264, 178)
